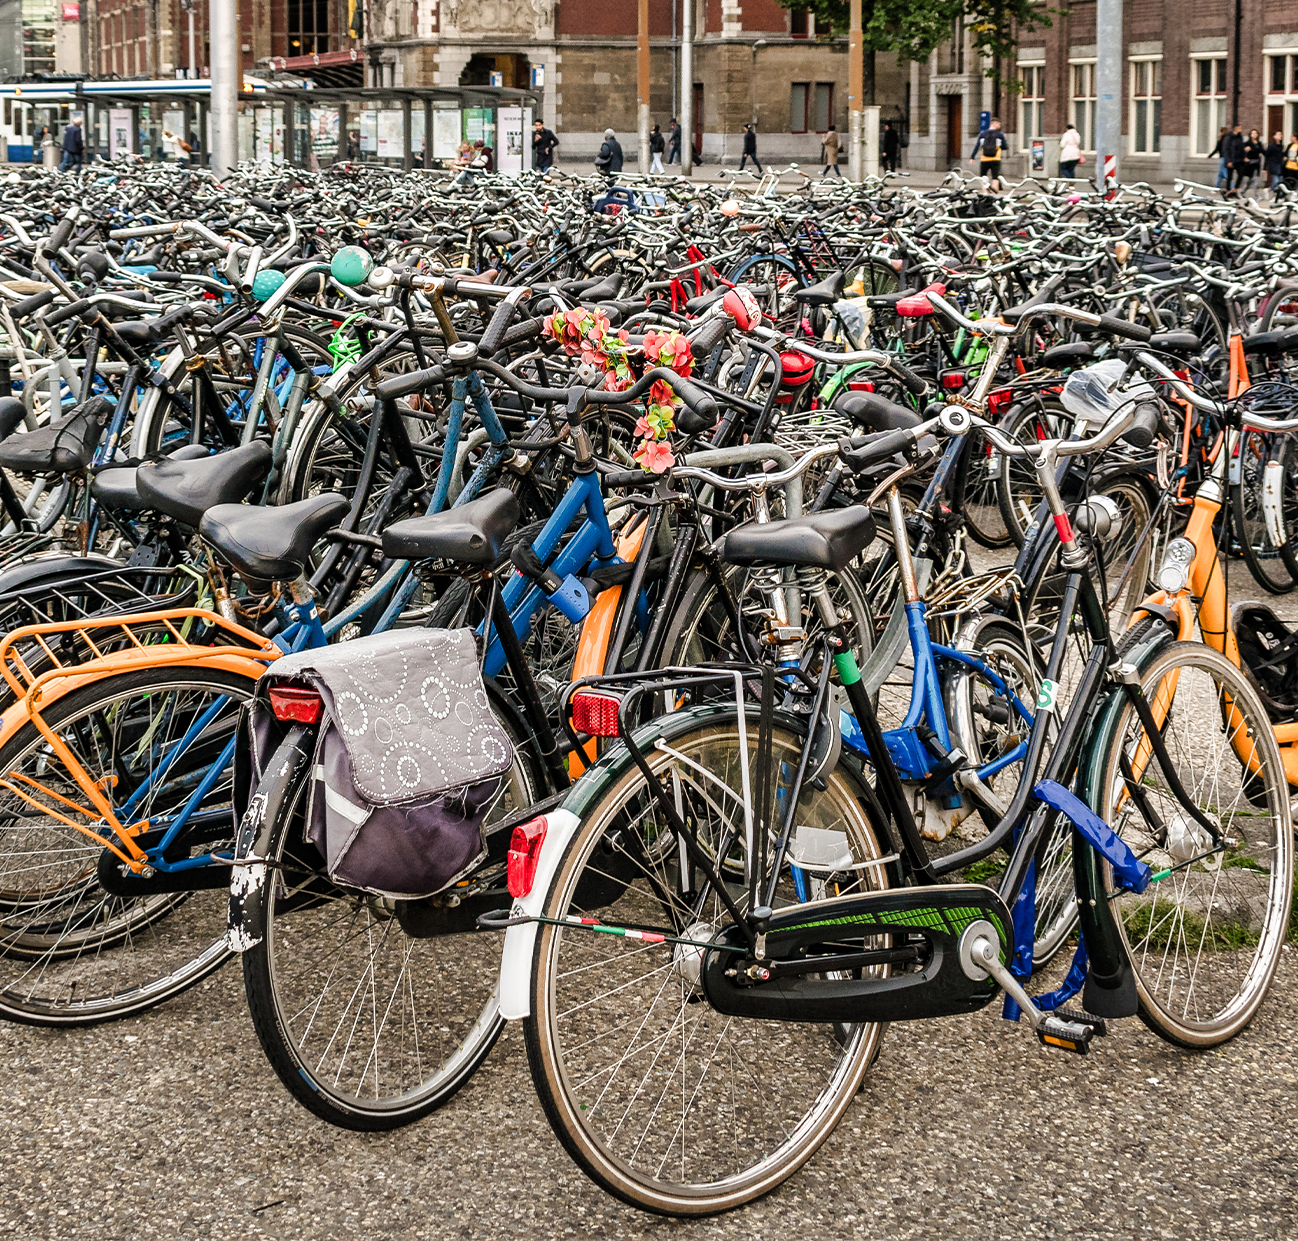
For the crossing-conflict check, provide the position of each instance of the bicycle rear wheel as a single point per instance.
(1205, 938)
(662, 1101)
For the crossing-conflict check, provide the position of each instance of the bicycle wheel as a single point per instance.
(1203, 939)
(367, 1027)
(71, 952)
(1269, 567)
(659, 1099)
(976, 493)
(1017, 491)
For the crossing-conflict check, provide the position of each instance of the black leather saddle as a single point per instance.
(186, 489)
(116, 489)
(473, 533)
(1070, 353)
(64, 446)
(875, 412)
(1273, 343)
(271, 544)
(828, 540)
(1175, 342)
(823, 292)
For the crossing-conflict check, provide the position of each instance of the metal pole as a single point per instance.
(193, 64)
(686, 112)
(642, 86)
(1108, 86)
(224, 23)
(855, 93)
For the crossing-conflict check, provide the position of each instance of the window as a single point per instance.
(1208, 76)
(1083, 73)
(952, 60)
(1282, 93)
(798, 95)
(1146, 106)
(1032, 102)
(308, 27)
(824, 114)
(802, 23)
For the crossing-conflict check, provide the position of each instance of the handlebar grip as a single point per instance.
(59, 237)
(629, 478)
(70, 311)
(698, 403)
(496, 329)
(910, 381)
(404, 385)
(1123, 327)
(875, 448)
(1144, 426)
(709, 336)
(29, 305)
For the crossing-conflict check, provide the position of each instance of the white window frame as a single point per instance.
(1036, 103)
(1087, 130)
(1288, 99)
(1149, 99)
(1202, 144)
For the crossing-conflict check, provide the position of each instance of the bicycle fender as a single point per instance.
(515, 989)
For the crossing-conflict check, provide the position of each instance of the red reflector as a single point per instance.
(296, 704)
(863, 385)
(997, 400)
(595, 714)
(524, 853)
(953, 379)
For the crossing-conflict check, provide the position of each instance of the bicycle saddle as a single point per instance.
(472, 533)
(1263, 342)
(186, 489)
(1179, 342)
(917, 305)
(116, 488)
(1070, 353)
(825, 291)
(827, 540)
(63, 446)
(604, 290)
(137, 333)
(697, 305)
(875, 412)
(271, 544)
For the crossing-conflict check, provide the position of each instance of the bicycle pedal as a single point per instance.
(1071, 1036)
(1099, 1027)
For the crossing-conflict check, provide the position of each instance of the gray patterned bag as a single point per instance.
(408, 761)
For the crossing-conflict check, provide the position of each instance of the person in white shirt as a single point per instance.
(1070, 151)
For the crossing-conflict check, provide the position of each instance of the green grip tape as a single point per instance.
(848, 672)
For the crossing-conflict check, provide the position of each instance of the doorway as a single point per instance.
(954, 130)
(698, 120)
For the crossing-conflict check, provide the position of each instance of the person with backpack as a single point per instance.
(656, 145)
(988, 150)
(750, 149)
(609, 160)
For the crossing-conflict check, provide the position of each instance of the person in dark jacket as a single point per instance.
(73, 146)
(543, 144)
(890, 141)
(609, 159)
(750, 149)
(1253, 150)
(657, 144)
(1232, 151)
(674, 142)
(987, 152)
(1274, 156)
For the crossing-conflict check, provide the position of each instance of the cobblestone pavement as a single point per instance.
(172, 1125)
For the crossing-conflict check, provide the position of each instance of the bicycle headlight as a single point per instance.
(1174, 572)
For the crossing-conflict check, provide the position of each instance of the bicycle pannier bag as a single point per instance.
(408, 761)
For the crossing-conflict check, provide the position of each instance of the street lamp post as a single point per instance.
(686, 113)
(1108, 86)
(642, 84)
(224, 26)
(855, 93)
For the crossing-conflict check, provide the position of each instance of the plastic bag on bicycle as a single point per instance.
(408, 758)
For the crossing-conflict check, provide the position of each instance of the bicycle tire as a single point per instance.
(1265, 560)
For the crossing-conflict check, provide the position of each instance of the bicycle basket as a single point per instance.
(408, 759)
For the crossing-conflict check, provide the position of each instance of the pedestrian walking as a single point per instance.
(1290, 173)
(1232, 150)
(609, 160)
(987, 152)
(657, 144)
(1219, 153)
(73, 146)
(750, 149)
(829, 147)
(1254, 149)
(890, 141)
(674, 142)
(1274, 159)
(543, 144)
(1070, 152)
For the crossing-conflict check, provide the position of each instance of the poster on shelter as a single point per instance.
(446, 132)
(120, 124)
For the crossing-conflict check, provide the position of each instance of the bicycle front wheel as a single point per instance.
(1205, 937)
(662, 1101)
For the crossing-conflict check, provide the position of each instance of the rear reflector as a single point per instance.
(953, 379)
(524, 853)
(296, 704)
(595, 714)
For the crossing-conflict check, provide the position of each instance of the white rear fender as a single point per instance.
(516, 957)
